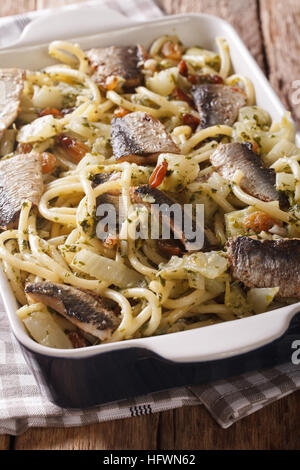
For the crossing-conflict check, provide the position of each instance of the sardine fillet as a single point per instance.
(139, 134)
(11, 88)
(266, 263)
(258, 181)
(218, 104)
(162, 205)
(88, 312)
(117, 61)
(20, 179)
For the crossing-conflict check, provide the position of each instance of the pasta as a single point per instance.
(66, 113)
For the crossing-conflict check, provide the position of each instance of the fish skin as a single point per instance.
(11, 89)
(140, 138)
(112, 197)
(169, 248)
(258, 180)
(14, 172)
(217, 104)
(140, 194)
(77, 340)
(89, 312)
(266, 263)
(100, 178)
(115, 200)
(121, 61)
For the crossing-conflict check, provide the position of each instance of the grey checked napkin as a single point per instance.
(21, 404)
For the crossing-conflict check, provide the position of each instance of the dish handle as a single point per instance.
(234, 338)
(61, 24)
(126, 373)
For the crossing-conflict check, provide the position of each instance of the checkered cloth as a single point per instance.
(22, 405)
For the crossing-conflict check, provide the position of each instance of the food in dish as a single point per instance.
(21, 180)
(88, 312)
(11, 88)
(139, 138)
(218, 104)
(122, 64)
(266, 263)
(258, 180)
(133, 130)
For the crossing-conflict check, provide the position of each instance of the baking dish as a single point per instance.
(104, 373)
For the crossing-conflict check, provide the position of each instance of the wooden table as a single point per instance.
(271, 30)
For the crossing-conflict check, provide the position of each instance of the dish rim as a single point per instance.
(283, 316)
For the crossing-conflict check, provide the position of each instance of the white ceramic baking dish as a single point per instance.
(208, 346)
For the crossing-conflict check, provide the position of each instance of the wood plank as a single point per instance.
(17, 7)
(274, 427)
(280, 26)
(138, 433)
(166, 431)
(242, 14)
(55, 3)
(4, 442)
